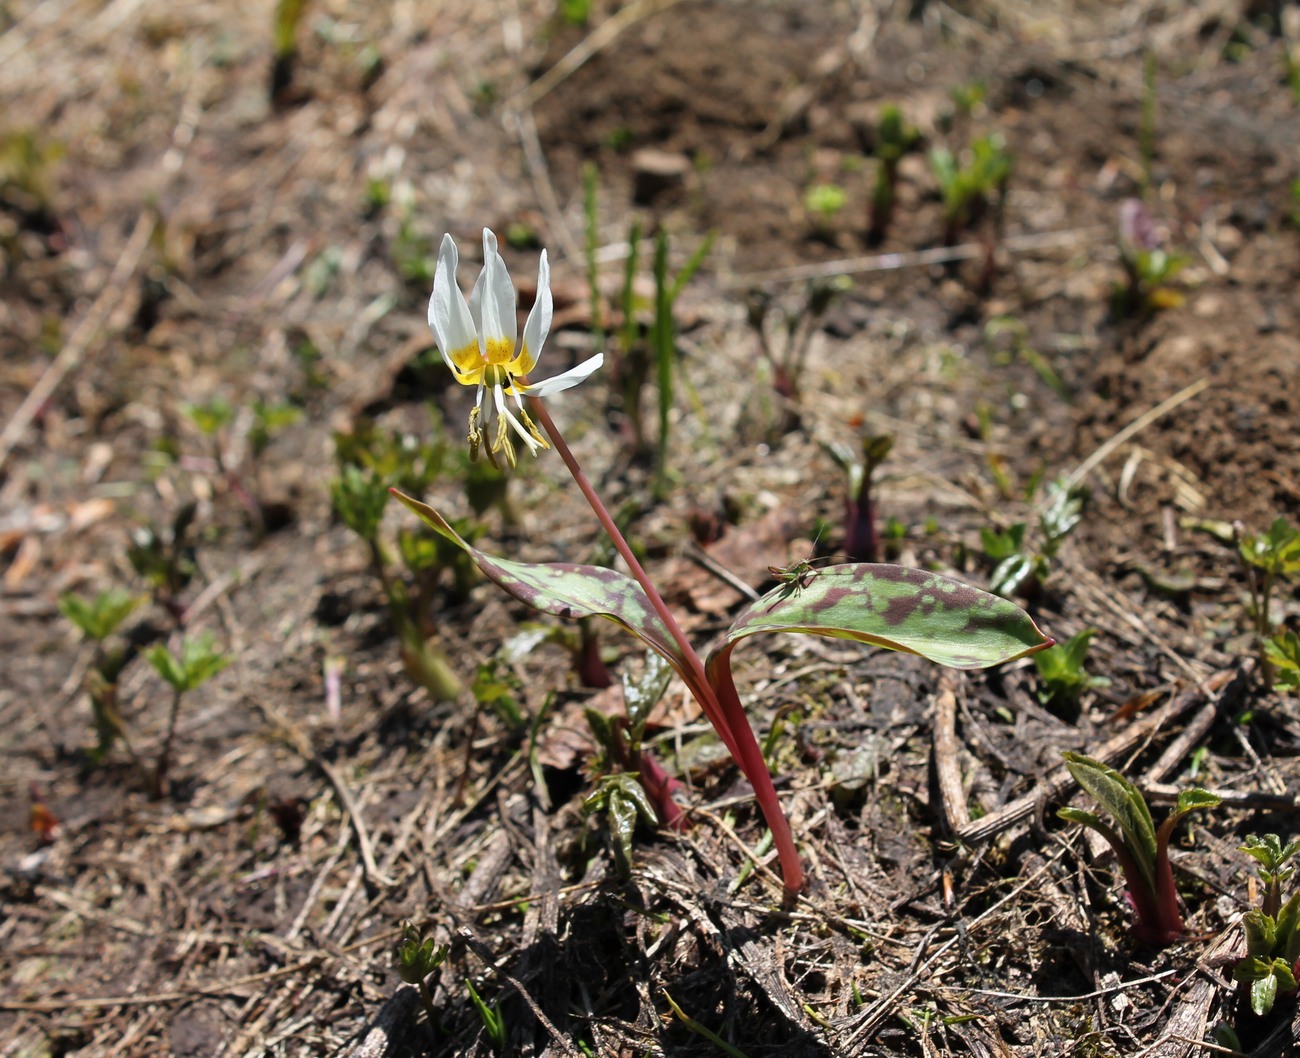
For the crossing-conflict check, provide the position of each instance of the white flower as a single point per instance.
(479, 342)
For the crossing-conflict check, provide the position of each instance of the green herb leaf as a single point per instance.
(564, 589)
(896, 608)
(1263, 992)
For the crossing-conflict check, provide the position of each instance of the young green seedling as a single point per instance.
(823, 203)
(368, 459)
(1269, 558)
(885, 606)
(970, 183)
(417, 959)
(799, 326)
(1271, 965)
(1283, 655)
(1142, 850)
(894, 139)
(629, 763)
(166, 561)
(493, 1023)
(1061, 671)
(1018, 565)
(98, 619)
(198, 662)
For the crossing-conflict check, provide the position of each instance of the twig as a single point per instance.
(485, 953)
(889, 262)
(599, 38)
(378, 1039)
(947, 768)
(711, 565)
(373, 873)
(1060, 781)
(1136, 426)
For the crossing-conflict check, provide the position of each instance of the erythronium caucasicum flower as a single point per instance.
(886, 606)
(479, 340)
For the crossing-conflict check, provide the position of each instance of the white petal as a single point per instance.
(567, 380)
(497, 321)
(449, 316)
(539, 319)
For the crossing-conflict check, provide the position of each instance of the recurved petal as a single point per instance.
(538, 325)
(498, 327)
(449, 316)
(567, 380)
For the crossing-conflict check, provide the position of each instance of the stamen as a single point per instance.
(475, 437)
(532, 429)
(504, 444)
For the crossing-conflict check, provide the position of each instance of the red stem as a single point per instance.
(720, 703)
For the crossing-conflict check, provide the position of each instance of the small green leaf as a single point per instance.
(199, 661)
(99, 619)
(1190, 800)
(1251, 968)
(1263, 992)
(566, 590)
(1261, 933)
(642, 694)
(1125, 803)
(896, 608)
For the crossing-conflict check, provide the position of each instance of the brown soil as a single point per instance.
(180, 235)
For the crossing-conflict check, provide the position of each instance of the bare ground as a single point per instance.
(182, 235)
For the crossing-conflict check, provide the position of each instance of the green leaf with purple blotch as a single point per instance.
(893, 607)
(564, 589)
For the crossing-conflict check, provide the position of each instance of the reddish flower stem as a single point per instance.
(720, 703)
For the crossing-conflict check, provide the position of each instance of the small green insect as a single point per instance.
(799, 575)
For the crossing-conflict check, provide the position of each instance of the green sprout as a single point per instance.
(971, 182)
(1142, 850)
(370, 461)
(700, 1029)
(1283, 655)
(1268, 558)
(1019, 566)
(824, 202)
(166, 560)
(288, 16)
(894, 139)
(861, 537)
(624, 801)
(635, 785)
(493, 1023)
(1271, 964)
(98, 619)
(198, 661)
(417, 959)
(798, 325)
(575, 12)
(658, 350)
(1061, 673)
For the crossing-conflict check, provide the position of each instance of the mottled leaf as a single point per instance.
(564, 589)
(896, 608)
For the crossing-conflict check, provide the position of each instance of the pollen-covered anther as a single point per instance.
(475, 435)
(533, 430)
(504, 444)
